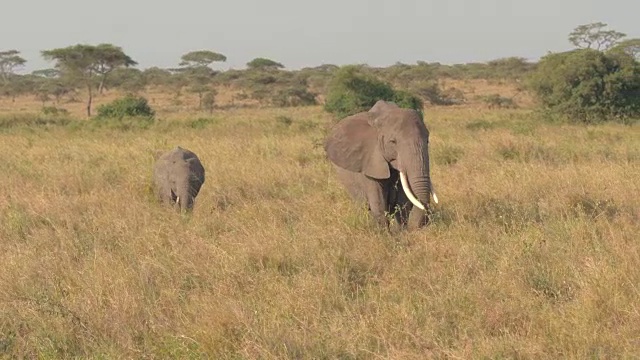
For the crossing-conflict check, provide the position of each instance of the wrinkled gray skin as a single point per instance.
(178, 176)
(369, 149)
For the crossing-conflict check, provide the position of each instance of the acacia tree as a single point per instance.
(130, 80)
(83, 63)
(263, 64)
(51, 83)
(195, 66)
(594, 36)
(17, 85)
(9, 61)
(201, 58)
(156, 76)
(109, 58)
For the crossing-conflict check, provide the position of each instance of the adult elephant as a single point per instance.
(178, 176)
(382, 158)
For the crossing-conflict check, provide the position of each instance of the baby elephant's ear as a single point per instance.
(353, 145)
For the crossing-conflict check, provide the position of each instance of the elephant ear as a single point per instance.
(353, 145)
(382, 106)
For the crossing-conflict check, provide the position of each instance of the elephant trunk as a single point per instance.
(184, 197)
(419, 186)
(418, 172)
(409, 193)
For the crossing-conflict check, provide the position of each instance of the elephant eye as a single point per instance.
(392, 140)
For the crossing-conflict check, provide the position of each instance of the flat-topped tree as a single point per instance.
(264, 64)
(201, 58)
(594, 36)
(109, 58)
(82, 64)
(195, 66)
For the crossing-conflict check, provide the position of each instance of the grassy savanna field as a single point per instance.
(533, 251)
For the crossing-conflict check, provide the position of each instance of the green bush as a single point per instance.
(128, 106)
(406, 100)
(588, 86)
(352, 91)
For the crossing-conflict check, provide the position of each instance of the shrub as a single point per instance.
(126, 123)
(497, 101)
(433, 93)
(352, 91)
(261, 78)
(508, 68)
(52, 110)
(275, 88)
(587, 85)
(480, 125)
(209, 100)
(128, 106)
(201, 123)
(26, 120)
(448, 155)
(293, 96)
(284, 120)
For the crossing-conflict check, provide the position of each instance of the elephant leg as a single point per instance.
(366, 190)
(398, 204)
(377, 200)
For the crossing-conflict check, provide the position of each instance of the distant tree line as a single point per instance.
(95, 69)
(90, 70)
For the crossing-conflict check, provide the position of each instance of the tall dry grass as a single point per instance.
(533, 252)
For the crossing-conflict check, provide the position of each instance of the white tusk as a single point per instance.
(407, 190)
(178, 200)
(433, 193)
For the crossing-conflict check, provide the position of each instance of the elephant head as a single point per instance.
(385, 137)
(178, 176)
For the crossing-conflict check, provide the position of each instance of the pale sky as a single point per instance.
(301, 33)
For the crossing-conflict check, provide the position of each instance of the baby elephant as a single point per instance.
(178, 176)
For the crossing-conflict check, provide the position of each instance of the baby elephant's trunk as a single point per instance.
(185, 197)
